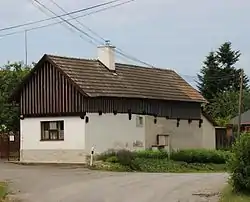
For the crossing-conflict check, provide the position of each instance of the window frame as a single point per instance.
(53, 134)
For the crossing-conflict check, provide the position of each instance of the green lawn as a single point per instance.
(229, 196)
(3, 191)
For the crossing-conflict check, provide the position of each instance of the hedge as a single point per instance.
(201, 156)
(189, 156)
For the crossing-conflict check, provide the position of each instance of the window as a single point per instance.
(247, 128)
(52, 130)
(139, 121)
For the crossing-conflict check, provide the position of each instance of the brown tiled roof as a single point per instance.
(128, 80)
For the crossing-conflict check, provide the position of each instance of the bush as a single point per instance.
(125, 157)
(152, 154)
(201, 156)
(112, 159)
(105, 155)
(239, 164)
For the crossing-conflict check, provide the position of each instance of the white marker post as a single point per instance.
(91, 156)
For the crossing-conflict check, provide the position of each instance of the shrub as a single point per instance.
(239, 164)
(125, 157)
(201, 156)
(105, 155)
(152, 154)
(112, 159)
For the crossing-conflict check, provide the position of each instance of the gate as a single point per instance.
(4, 146)
(10, 146)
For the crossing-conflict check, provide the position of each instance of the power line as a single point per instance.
(79, 22)
(66, 14)
(55, 23)
(119, 51)
(68, 23)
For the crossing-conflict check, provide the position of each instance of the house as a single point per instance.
(245, 121)
(69, 105)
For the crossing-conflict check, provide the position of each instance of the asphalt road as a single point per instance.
(64, 184)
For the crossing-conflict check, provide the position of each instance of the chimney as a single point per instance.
(106, 55)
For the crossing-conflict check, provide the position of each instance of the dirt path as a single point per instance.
(53, 184)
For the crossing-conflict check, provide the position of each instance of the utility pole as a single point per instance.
(26, 48)
(240, 101)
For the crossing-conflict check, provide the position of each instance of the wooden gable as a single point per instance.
(49, 91)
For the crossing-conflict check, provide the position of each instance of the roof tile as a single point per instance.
(128, 80)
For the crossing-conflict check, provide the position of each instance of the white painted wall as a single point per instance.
(70, 150)
(110, 131)
(182, 137)
(208, 133)
(74, 131)
(186, 136)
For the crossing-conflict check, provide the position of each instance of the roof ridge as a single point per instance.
(74, 58)
(138, 66)
(117, 63)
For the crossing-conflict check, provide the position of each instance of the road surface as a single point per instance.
(74, 184)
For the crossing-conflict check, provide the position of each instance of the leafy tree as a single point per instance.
(224, 105)
(10, 76)
(219, 73)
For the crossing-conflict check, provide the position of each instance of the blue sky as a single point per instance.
(173, 34)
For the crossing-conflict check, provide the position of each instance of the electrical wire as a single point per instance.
(55, 23)
(118, 51)
(79, 22)
(92, 39)
(66, 14)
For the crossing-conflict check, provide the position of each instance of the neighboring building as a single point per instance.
(245, 121)
(69, 105)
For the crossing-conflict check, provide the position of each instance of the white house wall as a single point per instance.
(71, 150)
(186, 136)
(109, 131)
(208, 132)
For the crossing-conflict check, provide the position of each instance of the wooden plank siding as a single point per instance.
(50, 93)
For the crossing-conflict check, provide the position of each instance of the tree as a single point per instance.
(11, 76)
(219, 73)
(227, 59)
(224, 105)
(210, 70)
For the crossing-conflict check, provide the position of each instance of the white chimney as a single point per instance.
(106, 54)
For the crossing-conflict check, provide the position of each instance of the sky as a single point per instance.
(174, 34)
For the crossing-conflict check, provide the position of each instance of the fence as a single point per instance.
(10, 146)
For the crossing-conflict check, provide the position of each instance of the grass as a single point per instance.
(229, 196)
(3, 191)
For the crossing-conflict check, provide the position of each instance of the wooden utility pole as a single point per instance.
(26, 48)
(240, 101)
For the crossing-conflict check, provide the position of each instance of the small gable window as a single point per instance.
(52, 130)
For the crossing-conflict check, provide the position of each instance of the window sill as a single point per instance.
(51, 140)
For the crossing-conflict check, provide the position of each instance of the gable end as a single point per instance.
(48, 90)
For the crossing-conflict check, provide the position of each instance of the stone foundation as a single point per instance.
(53, 156)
